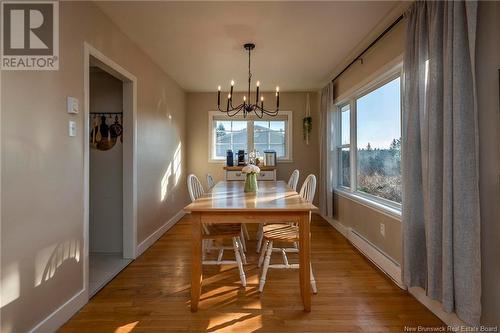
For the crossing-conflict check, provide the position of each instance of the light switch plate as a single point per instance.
(73, 105)
(72, 128)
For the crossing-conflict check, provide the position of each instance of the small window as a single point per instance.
(238, 133)
(344, 148)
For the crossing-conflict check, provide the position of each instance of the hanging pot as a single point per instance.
(116, 129)
(105, 143)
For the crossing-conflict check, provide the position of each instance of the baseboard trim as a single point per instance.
(380, 259)
(62, 314)
(145, 244)
(393, 271)
(436, 307)
(336, 224)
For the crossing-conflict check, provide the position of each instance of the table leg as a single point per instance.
(305, 260)
(196, 273)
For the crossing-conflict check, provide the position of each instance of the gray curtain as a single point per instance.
(441, 222)
(325, 172)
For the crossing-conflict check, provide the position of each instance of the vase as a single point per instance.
(251, 182)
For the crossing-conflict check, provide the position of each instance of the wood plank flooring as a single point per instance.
(152, 294)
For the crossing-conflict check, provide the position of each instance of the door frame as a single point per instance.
(94, 56)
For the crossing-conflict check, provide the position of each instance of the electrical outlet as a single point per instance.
(382, 229)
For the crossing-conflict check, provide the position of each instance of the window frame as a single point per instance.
(387, 75)
(286, 116)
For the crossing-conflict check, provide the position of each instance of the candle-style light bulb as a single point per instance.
(277, 89)
(218, 88)
(228, 96)
(244, 98)
(218, 96)
(257, 93)
(262, 98)
(261, 102)
(232, 82)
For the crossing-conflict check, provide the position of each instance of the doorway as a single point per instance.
(110, 170)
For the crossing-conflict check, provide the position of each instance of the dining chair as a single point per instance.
(294, 179)
(244, 232)
(210, 181)
(220, 232)
(292, 183)
(285, 233)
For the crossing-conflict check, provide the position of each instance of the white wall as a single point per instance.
(106, 170)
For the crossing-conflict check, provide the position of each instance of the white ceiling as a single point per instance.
(199, 44)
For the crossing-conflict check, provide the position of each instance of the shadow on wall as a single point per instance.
(52, 268)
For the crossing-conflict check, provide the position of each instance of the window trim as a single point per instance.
(287, 116)
(381, 204)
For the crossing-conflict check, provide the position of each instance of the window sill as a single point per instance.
(379, 207)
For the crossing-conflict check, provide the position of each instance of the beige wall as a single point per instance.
(488, 75)
(361, 218)
(42, 168)
(305, 157)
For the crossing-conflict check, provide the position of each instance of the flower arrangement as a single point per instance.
(251, 169)
(251, 179)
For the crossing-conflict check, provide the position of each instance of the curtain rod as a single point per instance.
(369, 46)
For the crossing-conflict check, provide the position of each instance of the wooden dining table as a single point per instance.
(274, 202)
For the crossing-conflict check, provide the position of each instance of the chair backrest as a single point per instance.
(195, 188)
(210, 181)
(308, 189)
(294, 179)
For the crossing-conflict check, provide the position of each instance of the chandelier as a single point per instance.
(247, 107)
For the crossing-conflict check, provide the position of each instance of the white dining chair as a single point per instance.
(292, 183)
(212, 232)
(294, 179)
(210, 181)
(285, 233)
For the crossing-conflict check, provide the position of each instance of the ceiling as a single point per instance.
(200, 44)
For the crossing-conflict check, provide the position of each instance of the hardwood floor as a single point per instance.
(152, 294)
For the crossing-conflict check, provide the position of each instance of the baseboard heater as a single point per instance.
(385, 263)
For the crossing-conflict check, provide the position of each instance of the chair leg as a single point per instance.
(260, 236)
(313, 281)
(242, 239)
(245, 230)
(266, 266)
(243, 278)
(242, 251)
(263, 252)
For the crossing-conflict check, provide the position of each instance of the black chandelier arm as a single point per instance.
(232, 111)
(267, 112)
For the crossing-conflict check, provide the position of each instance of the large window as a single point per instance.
(369, 142)
(272, 133)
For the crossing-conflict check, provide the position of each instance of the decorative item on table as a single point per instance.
(229, 158)
(251, 172)
(252, 156)
(269, 157)
(241, 157)
(307, 121)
